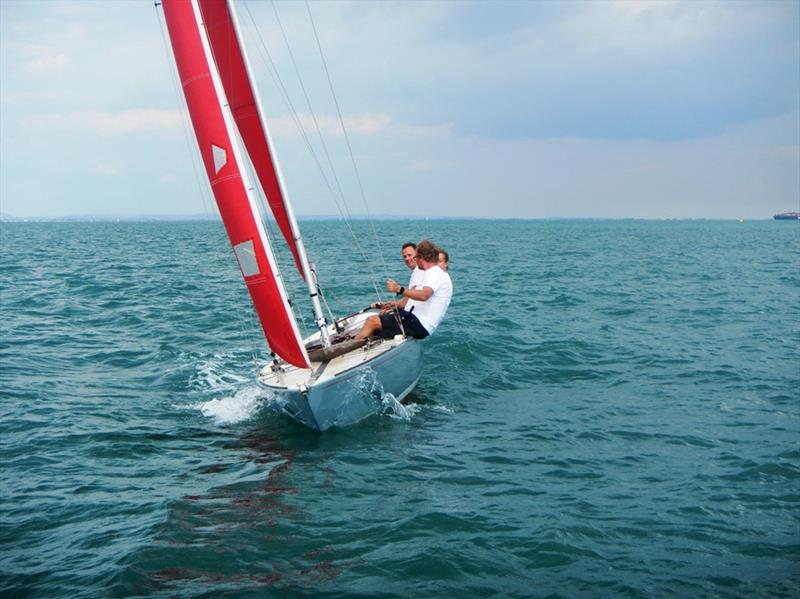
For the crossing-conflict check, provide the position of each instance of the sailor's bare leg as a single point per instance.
(371, 326)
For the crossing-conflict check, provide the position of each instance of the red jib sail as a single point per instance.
(242, 100)
(223, 164)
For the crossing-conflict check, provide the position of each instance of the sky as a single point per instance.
(617, 109)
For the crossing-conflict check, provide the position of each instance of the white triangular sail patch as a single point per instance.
(220, 158)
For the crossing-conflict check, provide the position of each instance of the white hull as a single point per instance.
(347, 388)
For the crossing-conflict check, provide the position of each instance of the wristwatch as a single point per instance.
(402, 291)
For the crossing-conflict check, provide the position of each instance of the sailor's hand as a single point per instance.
(392, 286)
(387, 307)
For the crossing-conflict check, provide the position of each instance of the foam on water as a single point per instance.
(239, 407)
(237, 398)
(213, 374)
(394, 409)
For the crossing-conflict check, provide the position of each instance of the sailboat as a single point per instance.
(324, 380)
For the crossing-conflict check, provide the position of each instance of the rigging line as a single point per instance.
(272, 236)
(336, 301)
(310, 109)
(185, 126)
(330, 312)
(313, 114)
(347, 139)
(247, 328)
(325, 300)
(264, 212)
(276, 78)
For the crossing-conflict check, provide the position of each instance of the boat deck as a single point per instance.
(288, 376)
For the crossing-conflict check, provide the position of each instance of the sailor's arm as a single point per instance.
(420, 295)
(389, 306)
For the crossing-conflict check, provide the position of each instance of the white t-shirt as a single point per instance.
(431, 312)
(416, 277)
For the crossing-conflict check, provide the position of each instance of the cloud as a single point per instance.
(49, 64)
(25, 99)
(625, 70)
(70, 9)
(109, 124)
(746, 171)
(441, 131)
(426, 166)
(367, 125)
(105, 169)
(364, 124)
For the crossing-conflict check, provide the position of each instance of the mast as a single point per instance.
(308, 274)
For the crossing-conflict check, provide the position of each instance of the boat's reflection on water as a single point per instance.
(244, 532)
(273, 505)
(262, 492)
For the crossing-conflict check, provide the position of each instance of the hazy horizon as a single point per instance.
(9, 218)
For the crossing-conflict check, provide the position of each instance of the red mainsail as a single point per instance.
(223, 164)
(242, 100)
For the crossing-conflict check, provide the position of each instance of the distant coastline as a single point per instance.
(143, 218)
(209, 217)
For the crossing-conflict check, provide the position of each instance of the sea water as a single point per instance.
(610, 408)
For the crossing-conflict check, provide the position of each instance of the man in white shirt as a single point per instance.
(409, 254)
(420, 310)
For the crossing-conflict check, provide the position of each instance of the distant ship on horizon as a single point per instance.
(787, 216)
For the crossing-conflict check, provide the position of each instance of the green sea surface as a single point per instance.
(609, 409)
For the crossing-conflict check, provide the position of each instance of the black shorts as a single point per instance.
(412, 326)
